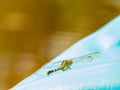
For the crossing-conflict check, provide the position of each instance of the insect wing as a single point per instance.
(54, 65)
(88, 57)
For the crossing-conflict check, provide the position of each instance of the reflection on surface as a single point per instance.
(33, 32)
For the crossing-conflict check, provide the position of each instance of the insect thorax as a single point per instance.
(66, 63)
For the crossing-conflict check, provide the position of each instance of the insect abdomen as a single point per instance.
(64, 66)
(51, 71)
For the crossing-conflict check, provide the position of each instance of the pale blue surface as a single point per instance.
(103, 70)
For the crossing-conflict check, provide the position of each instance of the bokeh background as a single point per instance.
(32, 32)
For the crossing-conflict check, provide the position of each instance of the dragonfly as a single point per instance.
(66, 64)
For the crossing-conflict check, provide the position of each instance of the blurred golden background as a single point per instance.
(32, 32)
